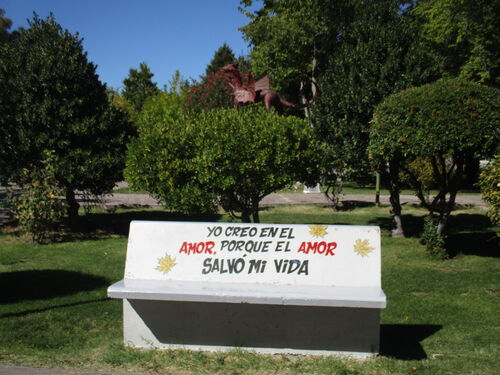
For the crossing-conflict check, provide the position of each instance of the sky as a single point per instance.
(168, 35)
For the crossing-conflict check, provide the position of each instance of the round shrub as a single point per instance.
(228, 157)
(447, 117)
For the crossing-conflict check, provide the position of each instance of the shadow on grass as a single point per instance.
(412, 225)
(94, 225)
(485, 244)
(466, 233)
(44, 284)
(402, 341)
(351, 205)
(33, 311)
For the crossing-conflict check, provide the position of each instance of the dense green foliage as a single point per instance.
(139, 86)
(52, 100)
(489, 182)
(445, 117)
(227, 157)
(247, 154)
(378, 54)
(465, 33)
(444, 122)
(434, 242)
(161, 159)
(38, 209)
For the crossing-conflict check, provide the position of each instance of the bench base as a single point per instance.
(258, 327)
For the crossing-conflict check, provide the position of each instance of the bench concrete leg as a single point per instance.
(261, 328)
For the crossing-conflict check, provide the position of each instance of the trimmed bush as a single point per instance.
(232, 158)
(441, 124)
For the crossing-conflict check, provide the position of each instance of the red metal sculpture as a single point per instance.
(247, 90)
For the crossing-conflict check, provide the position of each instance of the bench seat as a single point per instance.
(265, 294)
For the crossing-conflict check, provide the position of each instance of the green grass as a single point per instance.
(442, 316)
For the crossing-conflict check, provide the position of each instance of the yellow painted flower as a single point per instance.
(318, 230)
(165, 264)
(363, 248)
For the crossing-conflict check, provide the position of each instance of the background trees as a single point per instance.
(292, 39)
(377, 54)
(52, 100)
(465, 33)
(139, 86)
(223, 56)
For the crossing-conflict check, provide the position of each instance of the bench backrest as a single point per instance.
(333, 255)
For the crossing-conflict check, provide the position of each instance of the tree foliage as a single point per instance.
(139, 86)
(465, 32)
(247, 154)
(443, 122)
(39, 210)
(292, 40)
(378, 54)
(227, 157)
(52, 100)
(223, 56)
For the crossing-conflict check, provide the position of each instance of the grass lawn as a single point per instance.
(442, 316)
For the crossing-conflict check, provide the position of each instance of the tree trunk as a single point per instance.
(443, 218)
(245, 216)
(453, 186)
(255, 210)
(307, 113)
(394, 188)
(305, 101)
(73, 205)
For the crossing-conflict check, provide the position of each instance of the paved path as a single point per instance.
(144, 200)
(290, 198)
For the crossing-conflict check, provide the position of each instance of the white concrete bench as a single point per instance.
(308, 289)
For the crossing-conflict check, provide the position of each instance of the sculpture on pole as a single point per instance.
(247, 90)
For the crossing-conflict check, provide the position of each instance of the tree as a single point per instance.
(465, 32)
(223, 56)
(247, 154)
(5, 24)
(443, 122)
(378, 54)
(52, 101)
(227, 157)
(139, 86)
(292, 40)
